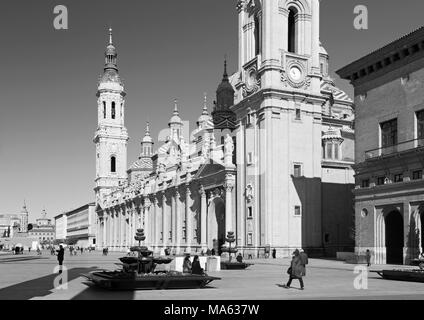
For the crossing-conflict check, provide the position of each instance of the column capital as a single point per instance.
(230, 182)
(202, 191)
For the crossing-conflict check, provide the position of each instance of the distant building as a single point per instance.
(389, 134)
(43, 230)
(11, 224)
(78, 224)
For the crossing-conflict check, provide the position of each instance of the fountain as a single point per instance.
(229, 264)
(139, 273)
(414, 275)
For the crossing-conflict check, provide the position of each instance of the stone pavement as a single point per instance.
(33, 278)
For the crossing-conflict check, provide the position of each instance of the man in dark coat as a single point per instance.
(296, 270)
(60, 257)
(304, 259)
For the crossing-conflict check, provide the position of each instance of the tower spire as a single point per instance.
(205, 105)
(111, 56)
(225, 69)
(110, 36)
(147, 129)
(176, 113)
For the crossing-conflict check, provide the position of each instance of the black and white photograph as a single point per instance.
(221, 152)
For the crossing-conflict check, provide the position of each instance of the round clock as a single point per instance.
(295, 74)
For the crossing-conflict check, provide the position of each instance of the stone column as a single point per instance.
(115, 231)
(129, 226)
(147, 229)
(164, 222)
(188, 220)
(174, 218)
(178, 226)
(229, 186)
(110, 231)
(157, 223)
(203, 218)
(104, 237)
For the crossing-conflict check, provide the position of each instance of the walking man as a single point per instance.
(60, 257)
(296, 270)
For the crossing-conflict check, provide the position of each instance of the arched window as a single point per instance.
(292, 31)
(113, 164)
(113, 110)
(257, 37)
(104, 109)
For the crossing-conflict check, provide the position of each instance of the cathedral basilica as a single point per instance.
(271, 162)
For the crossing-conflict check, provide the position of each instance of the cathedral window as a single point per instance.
(329, 151)
(292, 31)
(113, 110)
(249, 213)
(297, 211)
(336, 151)
(104, 109)
(420, 126)
(113, 164)
(257, 36)
(297, 170)
(298, 115)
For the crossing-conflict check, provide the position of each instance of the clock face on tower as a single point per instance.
(295, 74)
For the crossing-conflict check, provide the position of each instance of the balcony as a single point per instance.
(390, 150)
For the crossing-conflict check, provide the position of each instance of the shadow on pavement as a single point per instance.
(95, 293)
(39, 287)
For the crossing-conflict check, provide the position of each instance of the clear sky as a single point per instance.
(167, 49)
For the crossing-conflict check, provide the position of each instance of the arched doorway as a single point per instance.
(394, 238)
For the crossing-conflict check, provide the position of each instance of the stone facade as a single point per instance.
(271, 163)
(389, 192)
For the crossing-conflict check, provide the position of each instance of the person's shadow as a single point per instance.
(39, 287)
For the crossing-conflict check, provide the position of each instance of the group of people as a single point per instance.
(73, 251)
(192, 267)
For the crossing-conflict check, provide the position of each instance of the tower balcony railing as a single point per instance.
(390, 150)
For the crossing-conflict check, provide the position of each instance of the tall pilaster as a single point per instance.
(203, 218)
(178, 228)
(229, 212)
(188, 219)
(164, 221)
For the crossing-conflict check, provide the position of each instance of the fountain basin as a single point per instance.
(115, 280)
(414, 275)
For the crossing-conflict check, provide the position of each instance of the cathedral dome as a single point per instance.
(175, 119)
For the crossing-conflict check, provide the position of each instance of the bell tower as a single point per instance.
(278, 105)
(111, 137)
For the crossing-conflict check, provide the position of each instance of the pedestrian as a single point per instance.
(296, 270)
(60, 257)
(274, 253)
(82, 250)
(29, 249)
(368, 257)
(195, 268)
(187, 264)
(304, 260)
(239, 258)
(213, 252)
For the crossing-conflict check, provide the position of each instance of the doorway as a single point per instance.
(394, 238)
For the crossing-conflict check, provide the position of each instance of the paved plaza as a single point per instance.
(31, 277)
